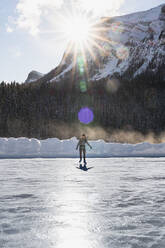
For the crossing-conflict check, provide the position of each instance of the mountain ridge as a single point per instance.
(33, 76)
(136, 44)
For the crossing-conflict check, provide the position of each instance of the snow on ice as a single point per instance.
(55, 148)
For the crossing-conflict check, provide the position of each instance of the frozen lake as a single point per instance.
(49, 203)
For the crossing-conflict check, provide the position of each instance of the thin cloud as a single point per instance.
(36, 16)
(31, 12)
(10, 25)
(102, 7)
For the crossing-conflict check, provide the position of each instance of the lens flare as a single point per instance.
(122, 53)
(107, 49)
(81, 70)
(81, 65)
(80, 61)
(83, 86)
(85, 36)
(112, 85)
(86, 115)
(117, 27)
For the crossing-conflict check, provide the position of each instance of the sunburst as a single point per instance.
(83, 34)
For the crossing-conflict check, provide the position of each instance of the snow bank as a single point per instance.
(53, 148)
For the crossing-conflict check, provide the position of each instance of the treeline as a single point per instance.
(46, 110)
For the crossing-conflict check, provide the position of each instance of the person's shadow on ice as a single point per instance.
(84, 168)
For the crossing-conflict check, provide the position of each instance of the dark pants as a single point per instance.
(82, 151)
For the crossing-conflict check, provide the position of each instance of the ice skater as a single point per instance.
(81, 144)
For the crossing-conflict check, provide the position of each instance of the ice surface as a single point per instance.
(54, 148)
(50, 203)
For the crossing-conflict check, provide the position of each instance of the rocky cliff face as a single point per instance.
(33, 76)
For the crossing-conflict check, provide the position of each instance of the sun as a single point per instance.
(83, 35)
(77, 29)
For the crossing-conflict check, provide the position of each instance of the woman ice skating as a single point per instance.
(81, 145)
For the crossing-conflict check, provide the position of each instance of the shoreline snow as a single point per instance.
(55, 148)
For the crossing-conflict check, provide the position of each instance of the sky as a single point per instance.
(30, 35)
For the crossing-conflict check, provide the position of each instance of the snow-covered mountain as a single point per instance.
(132, 45)
(33, 76)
